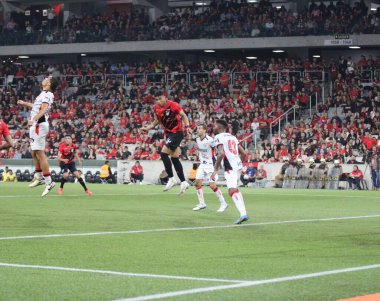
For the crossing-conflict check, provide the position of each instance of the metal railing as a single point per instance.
(283, 119)
(275, 77)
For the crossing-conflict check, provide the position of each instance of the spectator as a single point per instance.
(355, 177)
(248, 175)
(106, 173)
(260, 176)
(375, 168)
(136, 173)
(278, 180)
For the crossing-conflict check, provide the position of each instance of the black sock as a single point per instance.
(168, 164)
(178, 168)
(63, 181)
(80, 180)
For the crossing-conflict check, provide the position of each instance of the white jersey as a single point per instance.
(231, 150)
(44, 97)
(206, 149)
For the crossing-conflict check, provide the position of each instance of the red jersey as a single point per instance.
(137, 170)
(169, 117)
(4, 130)
(67, 152)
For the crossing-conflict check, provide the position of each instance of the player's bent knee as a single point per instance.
(164, 155)
(213, 186)
(232, 191)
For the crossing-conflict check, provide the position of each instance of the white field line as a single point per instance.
(189, 228)
(249, 284)
(253, 192)
(114, 273)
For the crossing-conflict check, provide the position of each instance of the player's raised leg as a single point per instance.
(165, 153)
(37, 178)
(49, 184)
(179, 170)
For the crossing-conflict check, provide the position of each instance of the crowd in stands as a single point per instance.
(221, 19)
(104, 116)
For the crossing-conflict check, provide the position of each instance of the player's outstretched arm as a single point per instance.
(150, 126)
(185, 121)
(8, 142)
(218, 162)
(25, 104)
(243, 153)
(60, 159)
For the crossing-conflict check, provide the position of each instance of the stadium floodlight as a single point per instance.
(373, 8)
(252, 1)
(316, 56)
(23, 57)
(278, 6)
(252, 57)
(200, 3)
(83, 54)
(278, 51)
(209, 50)
(354, 47)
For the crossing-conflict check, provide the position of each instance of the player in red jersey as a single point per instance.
(4, 132)
(171, 116)
(67, 153)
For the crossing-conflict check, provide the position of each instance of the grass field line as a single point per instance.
(190, 228)
(115, 273)
(250, 283)
(245, 192)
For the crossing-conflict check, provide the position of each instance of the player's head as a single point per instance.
(107, 162)
(137, 163)
(201, 130)
(220, 126)
(160, 98)
(68, 140)
(50, 84)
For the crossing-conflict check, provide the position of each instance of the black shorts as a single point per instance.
(173, 140)
(68, 167)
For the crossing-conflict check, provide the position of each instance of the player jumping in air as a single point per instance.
(205, 145)
(67, 153)
(232, 154)
(6, 134)
(39, 128)
(171, 116)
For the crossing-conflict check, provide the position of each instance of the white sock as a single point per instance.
(38, 175)
(220, 197)
(200, 196)
(47, 180)
(237, 197)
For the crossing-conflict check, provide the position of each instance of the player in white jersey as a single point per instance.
(232, 154)
(39, 128)
(205, 145)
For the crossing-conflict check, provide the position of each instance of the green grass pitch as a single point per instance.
(291, 232)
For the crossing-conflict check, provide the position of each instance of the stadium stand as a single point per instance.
(218, 20)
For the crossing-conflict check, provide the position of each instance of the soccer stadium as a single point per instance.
(190, 150)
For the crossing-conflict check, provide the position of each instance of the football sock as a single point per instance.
(38, 173)
(237, 197)
(219, 195)
(200, 196)
(80, 180)
(63, 181)
(179, 169)
(47, 178)
(168, 164)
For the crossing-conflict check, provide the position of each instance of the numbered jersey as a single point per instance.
(206, 150)
(231, 151)
(44, 97)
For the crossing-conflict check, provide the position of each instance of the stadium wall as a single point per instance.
(186, 45)
(152, 169)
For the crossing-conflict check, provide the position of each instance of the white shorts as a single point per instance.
(232, 178)
(204, 172)
(37, 135)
